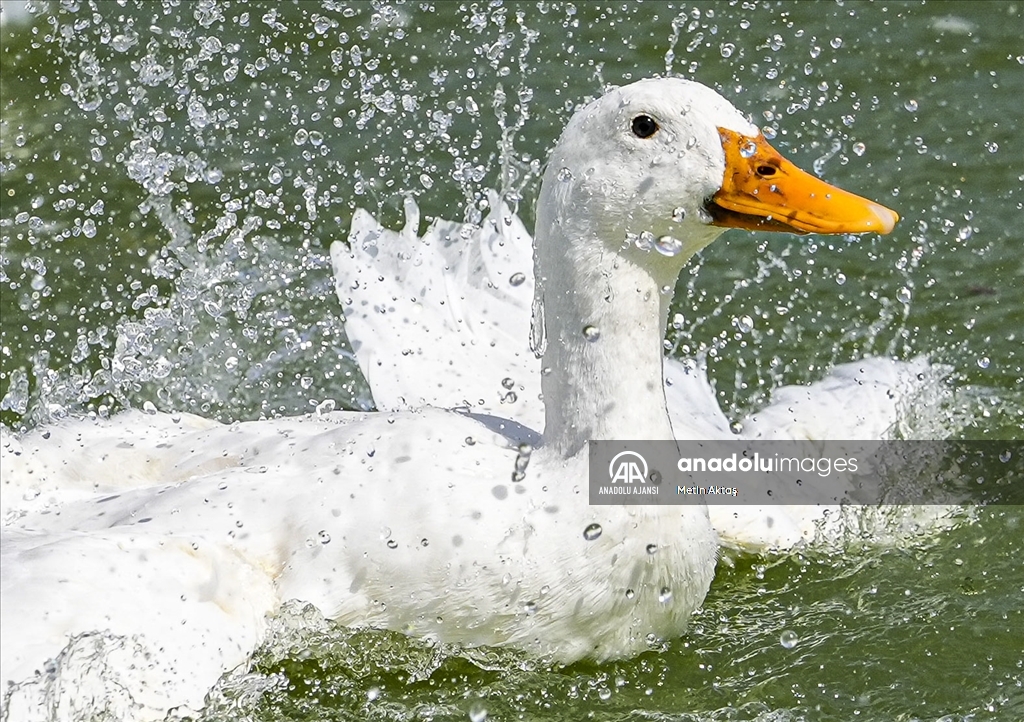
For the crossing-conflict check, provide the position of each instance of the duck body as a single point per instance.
(372, 518)
(461, 528)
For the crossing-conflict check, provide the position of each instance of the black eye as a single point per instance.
(644, 126)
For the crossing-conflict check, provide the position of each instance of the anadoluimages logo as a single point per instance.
(627, 467)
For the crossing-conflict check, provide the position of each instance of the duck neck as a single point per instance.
(604, 312)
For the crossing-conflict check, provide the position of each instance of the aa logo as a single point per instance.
(628, 467)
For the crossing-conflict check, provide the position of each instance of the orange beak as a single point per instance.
(763, 191)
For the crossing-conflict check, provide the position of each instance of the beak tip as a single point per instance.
(886, 218)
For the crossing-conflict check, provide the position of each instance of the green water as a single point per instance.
(174, 173)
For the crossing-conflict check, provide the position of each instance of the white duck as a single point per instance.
(431, 522)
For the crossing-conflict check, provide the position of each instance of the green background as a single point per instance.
(173, 174)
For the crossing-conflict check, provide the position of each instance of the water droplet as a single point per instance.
(679, 214)
(592, 532)
(564, 175)
(859, 148)
(677, 321)
(836, 43)
(911, 105)
(324, 537)
(788, 639)
(992, 147)
(372, 693)
(604, 694)
(426, 181)
(769, 132)
(652, 548)
(840, 278)
(748, 149)
(508, 383)
(231, 363)
(984, 362)
(668, 246)
(517, 279)
(392, 544)
(522, 461)
(149, 408)
(1005, 456)
(530, 608)
(727, 50)
(743, 324)
(591, 333)
(665, 595)
(903, 295)
(630, 594)
(644, 241)
(275, 176)
(325, 407)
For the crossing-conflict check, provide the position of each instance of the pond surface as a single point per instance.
(173, 174)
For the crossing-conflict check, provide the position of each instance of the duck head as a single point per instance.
(672, 159)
